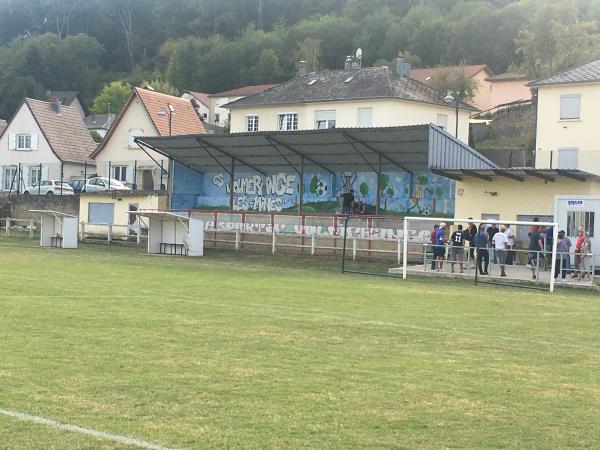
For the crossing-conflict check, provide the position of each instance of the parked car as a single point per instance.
(49, 187)
(78, 186)
(99, 184)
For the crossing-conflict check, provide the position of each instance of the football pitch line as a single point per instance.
(77, 429)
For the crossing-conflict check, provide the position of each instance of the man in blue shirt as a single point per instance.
(439, 250)
(481, 243)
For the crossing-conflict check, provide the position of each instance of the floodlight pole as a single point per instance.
(554, 256)
(231, 182)
(301, 186)
(404, 248)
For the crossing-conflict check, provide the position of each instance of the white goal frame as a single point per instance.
(408, 219)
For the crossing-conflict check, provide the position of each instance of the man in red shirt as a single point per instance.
(578, 244)
(432, 239)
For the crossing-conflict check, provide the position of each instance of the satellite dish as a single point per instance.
(359, 53)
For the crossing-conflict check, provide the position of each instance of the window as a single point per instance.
(442, 121)
(577, 219)
(570, 106)
(324, 120)
(252, 123)
(132, 135)
(10, 178)
(23, 142)
(568, 158)
(120, 173)
(217, 118)
(101, 213)
(35, 175)
(288, 122)
(365, 117)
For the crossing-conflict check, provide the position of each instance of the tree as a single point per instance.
(557, 40)
(111, 98)
(309, 51)
(456, 81)
(162, 86)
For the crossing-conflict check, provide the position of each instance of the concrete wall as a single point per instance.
(19, 206)
(386, 113)
(554, 133)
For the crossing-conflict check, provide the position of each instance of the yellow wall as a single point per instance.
(553, 133)
(121, 217)
(531, 197)
(386, 112)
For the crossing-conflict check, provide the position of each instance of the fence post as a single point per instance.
(313, 244)
(139, 231)
(354, 249)
(274, 241)
(399, 250)
(109, 233)
(237, 240)
(7, 226)
(30, 228)
(82, 228)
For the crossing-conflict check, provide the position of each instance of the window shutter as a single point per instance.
(25, 177)
(45, 172)
(34, 141)
(570, 106)
(12, 141)
(1, 178)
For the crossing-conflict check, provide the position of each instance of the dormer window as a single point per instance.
(23, 142)
(311, 82)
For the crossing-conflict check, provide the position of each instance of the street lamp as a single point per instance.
(450, 99)
(170, 113)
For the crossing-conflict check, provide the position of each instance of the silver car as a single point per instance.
(101, 184)
(49, 187)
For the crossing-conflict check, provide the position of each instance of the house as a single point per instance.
(352, 97)
(67, 98)
(201, 102)
(567, 119)
(508, 87)
(43, 140)
(100, 123)
(146, 113)
(218, 115)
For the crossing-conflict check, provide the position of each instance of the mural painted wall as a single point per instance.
(419, 194)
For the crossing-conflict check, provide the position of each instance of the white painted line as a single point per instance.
(75, 429)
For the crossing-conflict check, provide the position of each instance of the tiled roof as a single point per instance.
(99, 121)
(185, 120)
(348, 84)
(426, 75)
(585, 73)
(201, 97)
(65, 131)
(64, 97)
(3, 125)
(244, 90)
(507, 76)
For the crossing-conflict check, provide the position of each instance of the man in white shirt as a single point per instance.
(510, 255)
(500, 241)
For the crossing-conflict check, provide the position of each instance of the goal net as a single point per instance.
(484, 251)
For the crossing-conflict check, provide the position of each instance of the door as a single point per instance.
(522, 231)
(147, 180)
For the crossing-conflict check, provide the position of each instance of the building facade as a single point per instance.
(218, 115)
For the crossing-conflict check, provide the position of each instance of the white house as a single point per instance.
(218, 115)
(201, 102)
(67, 98)
(43, 141)
(146, 113)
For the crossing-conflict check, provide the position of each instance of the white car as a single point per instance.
(49, 187)
(100, 184)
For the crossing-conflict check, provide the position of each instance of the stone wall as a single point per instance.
(18, 206)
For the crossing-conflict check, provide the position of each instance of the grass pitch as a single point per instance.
(243, 351)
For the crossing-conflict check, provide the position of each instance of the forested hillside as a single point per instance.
(212, 45)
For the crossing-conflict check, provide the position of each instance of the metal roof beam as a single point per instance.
(443, 173)
(568, 174)
(276, 147)
(141, 145)
(374, 150)
(214, 158)
(535, 173)
(226, 153)
(473, 173)
(271, 139)
(507, 174)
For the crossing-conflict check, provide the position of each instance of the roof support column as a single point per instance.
(231, 183)
(378, 201)
(301, 187)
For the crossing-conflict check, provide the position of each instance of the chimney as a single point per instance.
(401, 67)
(301, 68)
(348, 63)
(352, 63)
(56, 106)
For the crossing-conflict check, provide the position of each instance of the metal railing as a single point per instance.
(12, 224)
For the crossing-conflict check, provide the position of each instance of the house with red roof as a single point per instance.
(218, 115)
(201, 102)
(43, 141)
(146, 113)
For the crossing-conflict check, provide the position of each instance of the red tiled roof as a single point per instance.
(426, 75)
(507, 76)
(65, 132)
(201, 97)
(185, 120)
(244, 90)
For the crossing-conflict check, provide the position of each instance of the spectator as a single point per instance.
(563, 247)
(491, 231)
(457, 248)
(432, 240)
(586, 268)
(470, 236)
(510, 255)
(535, 247)
(481, 243)
(439, 249)
(578, 244)
(500, 241)
(347, 202)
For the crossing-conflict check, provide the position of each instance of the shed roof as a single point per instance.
(517, 174)
(585, 73)
(408, 148)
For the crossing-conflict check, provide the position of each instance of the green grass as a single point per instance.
(246, 351)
